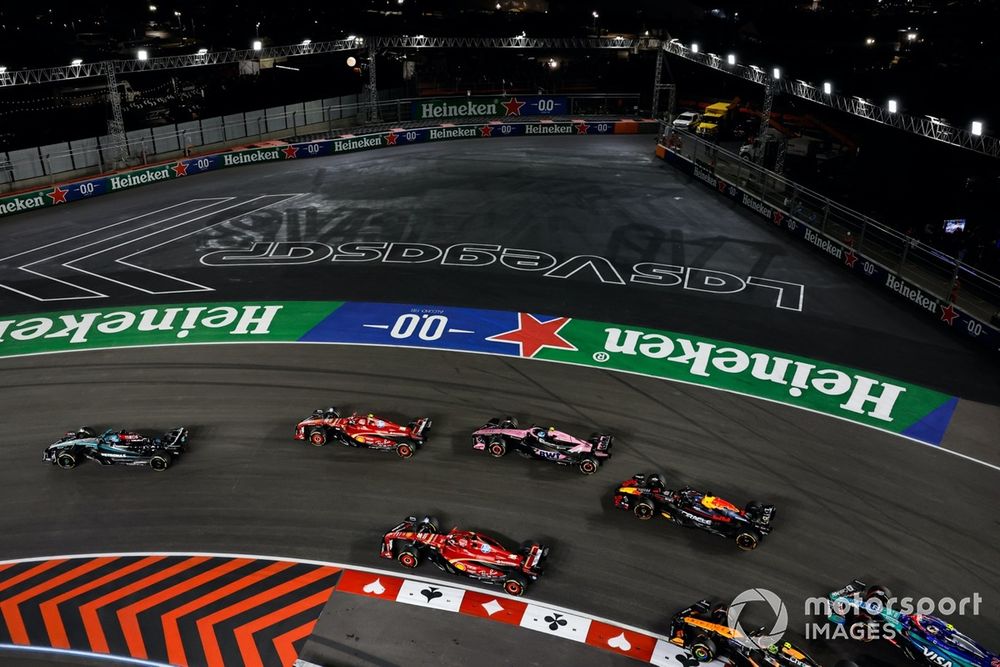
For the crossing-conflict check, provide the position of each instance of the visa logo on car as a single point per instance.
(935, 658)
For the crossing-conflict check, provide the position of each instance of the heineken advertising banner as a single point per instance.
(945, 312)
(858, 396)
(492, 107)
(70, 192)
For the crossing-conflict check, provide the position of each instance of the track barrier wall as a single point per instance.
(65, 193)
(921, 276)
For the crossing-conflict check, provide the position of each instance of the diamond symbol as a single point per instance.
(492, 607)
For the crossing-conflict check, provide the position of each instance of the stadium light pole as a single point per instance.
(977, 128)
(257, 45)
(694, 47)
(893, 106)
(731, 59)
(142, 55)
(827, 88)
(776, 73)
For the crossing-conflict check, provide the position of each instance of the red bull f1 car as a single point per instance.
(867, 612)
(498, 436)
(116, 448)
(465, 552)
(646, 496)
(368, 431)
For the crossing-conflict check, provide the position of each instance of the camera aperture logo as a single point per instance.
(762, 639)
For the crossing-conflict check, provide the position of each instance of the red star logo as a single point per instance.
(582, 128)
(513, 107)
(390, 139)
(180, 169)
(486, 131)
(850, 258)
(58, 195)
(948, 314)
(291, 152)
(722, 185)
(778, 217)
(531, 335)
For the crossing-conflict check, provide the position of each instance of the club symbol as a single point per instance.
(555, 621)
(431, 593)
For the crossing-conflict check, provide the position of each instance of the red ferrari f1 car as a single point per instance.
(369, 431)
(464, 552)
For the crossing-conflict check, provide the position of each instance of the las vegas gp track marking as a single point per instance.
(78, 267)
(784, 295)
(222, 609)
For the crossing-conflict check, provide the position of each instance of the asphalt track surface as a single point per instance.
(852, 501)
(567, 196)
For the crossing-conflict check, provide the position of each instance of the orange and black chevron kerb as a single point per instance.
(181, 610)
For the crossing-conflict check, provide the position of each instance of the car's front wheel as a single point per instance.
(66, 461)
(644, 509)
(408, 558)
(160, 460)
(496, 447)
(317, 437)
(404, 450)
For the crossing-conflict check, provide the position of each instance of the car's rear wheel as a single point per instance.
(66, 461)
(514, 585)
(703, 648)
(317, 437)
(877, 598)
(86, 432)
(408, 558)
(748, 540)
(644, 509)
(160, 460)
(509, 422)
(496, 447)
(404, 450)
(589, 466)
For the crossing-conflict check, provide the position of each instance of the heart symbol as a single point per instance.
(619, 642)
(430, 593)
(375, 587)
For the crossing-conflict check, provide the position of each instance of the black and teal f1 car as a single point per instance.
(116, 448)
(869, 613)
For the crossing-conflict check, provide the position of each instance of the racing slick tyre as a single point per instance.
(66, 461)
(508, 422)
(160, 460)
(317, 437)
(589, 466)
(408, 558)
(747, 540)
(496, 447)
(514, 584)
(703, 648)
(404, 450)
(428, 525)
(644, 509)
(86, 432)
(880, 595)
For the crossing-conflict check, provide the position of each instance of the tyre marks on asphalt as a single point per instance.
(183, 610)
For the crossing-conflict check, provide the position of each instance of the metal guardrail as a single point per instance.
(315, 117)
(939, 274)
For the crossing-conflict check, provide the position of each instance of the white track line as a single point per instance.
(82, 654)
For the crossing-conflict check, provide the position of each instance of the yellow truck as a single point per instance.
(716, 118)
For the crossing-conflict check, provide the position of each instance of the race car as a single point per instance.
(368, 431)
(499, 435)
(703, 630)
(465, 552)
(646, 496)
(866, 611)
(116, 448)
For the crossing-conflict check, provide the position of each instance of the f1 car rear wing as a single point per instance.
(175, 438)
(535, 558)
(420, 425)
(602, 442)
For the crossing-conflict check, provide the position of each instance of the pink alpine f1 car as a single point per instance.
(499, 435)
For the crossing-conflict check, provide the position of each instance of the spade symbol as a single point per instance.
(554, 621)
(430, 593)
(687, 660)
